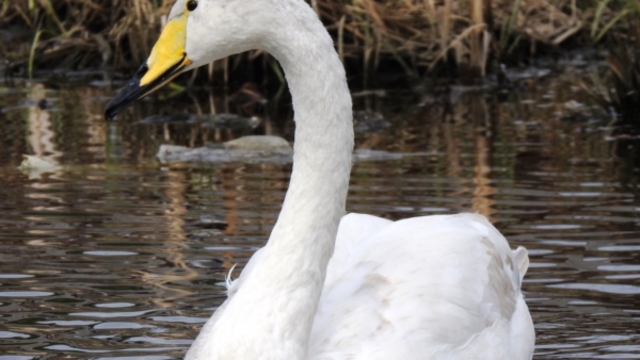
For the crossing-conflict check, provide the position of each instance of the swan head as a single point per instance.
(196, 33)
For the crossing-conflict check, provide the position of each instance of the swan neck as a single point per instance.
(274, 308)
(303, 239)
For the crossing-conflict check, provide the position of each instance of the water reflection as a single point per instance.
(117, 256)
(41, 135)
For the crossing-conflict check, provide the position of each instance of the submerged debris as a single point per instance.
(369, 121)
(215, 121)
(256, 149)
(35, 166)
(266, 143)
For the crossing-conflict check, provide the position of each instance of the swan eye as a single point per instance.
(192, 5)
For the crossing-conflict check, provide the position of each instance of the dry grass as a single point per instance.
(81, 33)
(417, 34)
(619, 90)
(422, 33)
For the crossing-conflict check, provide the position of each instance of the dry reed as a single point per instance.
(417, 34)
(623, 97)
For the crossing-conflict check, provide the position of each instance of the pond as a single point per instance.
(111, 254)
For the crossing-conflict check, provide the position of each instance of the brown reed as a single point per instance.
(623, 63)
(417, 34)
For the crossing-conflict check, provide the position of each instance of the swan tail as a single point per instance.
(521, 256)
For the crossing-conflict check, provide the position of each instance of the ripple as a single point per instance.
(68, 322)
(625, 348)
(564, 243)
(434, 209)
(112, 314)
(540, 252)
(158, 341)
(535, 264)
(109, 253)
(623, 277)
(603, 288)
(225, 248)
(556, 226)
(120, 325)
(13, 335)
(615, 208)
(25, 294)
(581, 194)
(592, 184)
(15, 276)
(180, 319)
(583, 302)
(148, 357)
(619, 267)
(114, 305)
(546, 281)
(620, 248)
(66, 348)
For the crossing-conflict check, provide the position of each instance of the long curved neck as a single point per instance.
(271, 315)
(315, 200)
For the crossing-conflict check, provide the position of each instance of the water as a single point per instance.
(113, 255)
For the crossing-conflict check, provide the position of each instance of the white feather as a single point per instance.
(228, 282)
(444, 287)
(354, 287)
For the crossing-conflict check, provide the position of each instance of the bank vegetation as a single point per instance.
(416, 36)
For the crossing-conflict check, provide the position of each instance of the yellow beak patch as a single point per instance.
(169, 52)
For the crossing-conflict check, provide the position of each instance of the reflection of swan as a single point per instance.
(437, 287)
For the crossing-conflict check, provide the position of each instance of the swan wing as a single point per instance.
(434, 287)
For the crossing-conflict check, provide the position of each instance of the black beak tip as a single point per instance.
(131, 92)
(125, 97)
(115, 106)
(109, 112)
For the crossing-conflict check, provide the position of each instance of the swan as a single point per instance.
(328, 285)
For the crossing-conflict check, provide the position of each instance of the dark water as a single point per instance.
(112, 255)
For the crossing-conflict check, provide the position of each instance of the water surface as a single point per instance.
(113, 255)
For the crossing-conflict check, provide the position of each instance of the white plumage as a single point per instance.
(433, 287)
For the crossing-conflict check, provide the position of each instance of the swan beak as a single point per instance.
(168, 59)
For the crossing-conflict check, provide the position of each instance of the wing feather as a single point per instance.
(438, 286)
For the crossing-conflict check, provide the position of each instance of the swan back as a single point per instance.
(427, 287)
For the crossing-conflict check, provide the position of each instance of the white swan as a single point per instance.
(435, 287)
